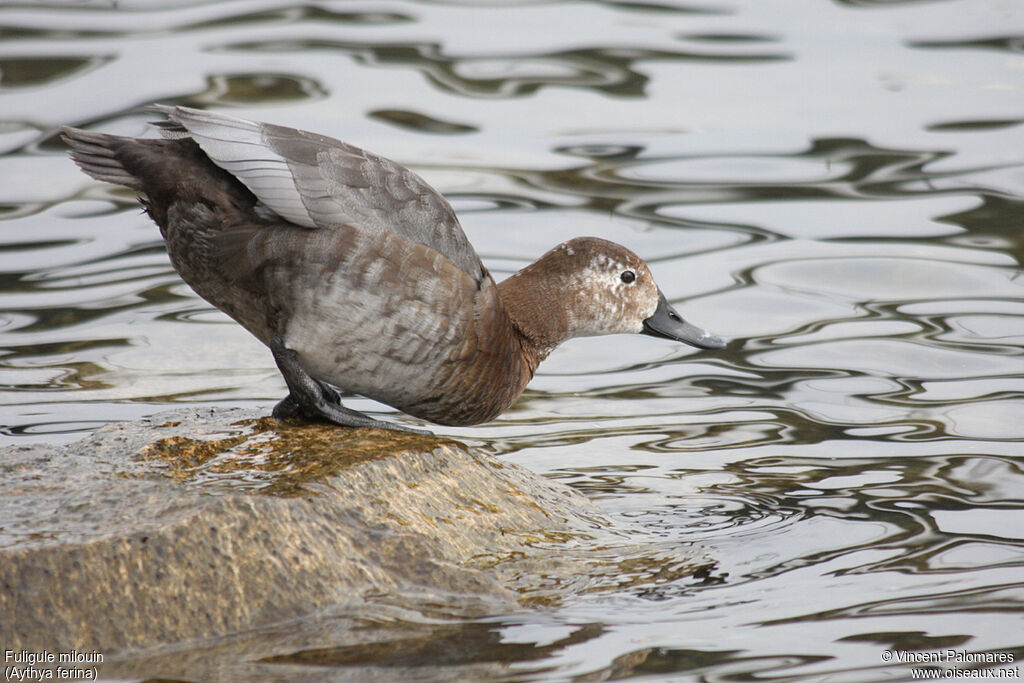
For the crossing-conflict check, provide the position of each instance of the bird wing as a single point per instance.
(317, 182)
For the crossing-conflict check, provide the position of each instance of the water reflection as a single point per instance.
(27, 72)
(471, 643)
(419, 122)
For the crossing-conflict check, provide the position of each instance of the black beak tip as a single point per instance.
(687, 334)
(712, 342)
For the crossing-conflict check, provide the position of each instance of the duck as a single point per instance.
(356, 273)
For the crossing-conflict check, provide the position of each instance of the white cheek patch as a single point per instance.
(650, 308)
(609, 305)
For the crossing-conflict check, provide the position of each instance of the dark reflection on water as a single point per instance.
(320, 15)
(836, 188)
(26, 72)
(991, 124)
(263, 88)
(470, 643)
(1012, 43)
(905, 499)
(611, 71)
(419, 122)
(851, 168)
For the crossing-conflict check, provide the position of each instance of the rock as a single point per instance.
(215, 544)
(198, 524)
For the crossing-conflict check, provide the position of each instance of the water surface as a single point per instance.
(836, 187)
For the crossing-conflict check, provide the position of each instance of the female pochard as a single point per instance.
(356, 273)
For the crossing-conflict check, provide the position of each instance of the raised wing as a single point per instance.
(318, 182)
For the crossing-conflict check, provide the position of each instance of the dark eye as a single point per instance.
(628, 276)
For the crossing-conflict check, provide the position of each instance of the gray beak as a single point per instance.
(668, 324)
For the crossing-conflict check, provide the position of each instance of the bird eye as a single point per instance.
(628, 276)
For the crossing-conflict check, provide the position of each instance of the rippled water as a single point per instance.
(836, 187)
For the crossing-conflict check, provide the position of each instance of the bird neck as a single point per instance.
(536, 308)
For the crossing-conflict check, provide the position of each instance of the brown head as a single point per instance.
(589, 286)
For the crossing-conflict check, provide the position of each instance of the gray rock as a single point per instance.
(197, 526)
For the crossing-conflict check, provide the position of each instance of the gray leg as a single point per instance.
(312, 399)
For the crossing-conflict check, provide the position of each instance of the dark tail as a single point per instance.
(96, 154)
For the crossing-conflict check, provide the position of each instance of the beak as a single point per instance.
(668, 324)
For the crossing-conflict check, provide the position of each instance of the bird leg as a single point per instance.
(310, 398)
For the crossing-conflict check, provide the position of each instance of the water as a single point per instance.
(836, 187)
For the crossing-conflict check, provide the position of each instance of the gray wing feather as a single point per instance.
(318, 182)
